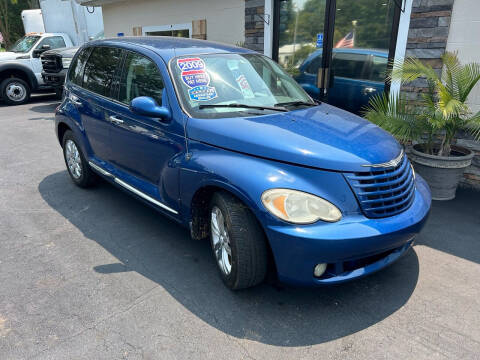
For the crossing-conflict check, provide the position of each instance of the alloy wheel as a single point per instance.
(221, 241)
(74, 161)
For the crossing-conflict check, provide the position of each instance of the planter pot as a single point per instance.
(442, 173)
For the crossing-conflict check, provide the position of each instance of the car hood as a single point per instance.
(8, 55)
(68, 52)
(323, 137)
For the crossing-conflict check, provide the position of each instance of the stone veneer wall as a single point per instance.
(254, 24)
(427, 40)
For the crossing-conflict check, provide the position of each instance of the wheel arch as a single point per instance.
(199, 212)
(62, 128)
(20, 71)
(201, 199)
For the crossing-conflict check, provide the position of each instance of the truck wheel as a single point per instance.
(15, 91)
(238, 242)
(77, 166)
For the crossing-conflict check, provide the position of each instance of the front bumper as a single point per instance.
(55, 79)
(353, 247)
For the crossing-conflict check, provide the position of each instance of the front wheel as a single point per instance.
(59, 93)
(15, 91)
(238, 242)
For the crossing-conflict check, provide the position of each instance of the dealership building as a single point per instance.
(341, 47)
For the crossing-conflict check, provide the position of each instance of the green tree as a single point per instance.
(11, 25)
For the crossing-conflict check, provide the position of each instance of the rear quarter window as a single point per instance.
(351, 65)
(75, 73)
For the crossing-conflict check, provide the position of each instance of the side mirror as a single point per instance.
(146, 106)
(41, 50)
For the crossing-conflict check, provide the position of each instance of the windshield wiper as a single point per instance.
(246, 106)
(296, 103)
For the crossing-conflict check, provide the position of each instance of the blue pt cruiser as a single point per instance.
(222, 140)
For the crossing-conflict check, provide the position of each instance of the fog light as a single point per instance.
(319, 269)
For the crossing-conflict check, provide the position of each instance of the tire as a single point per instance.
(244, 238)
(78, 168)
(15, 91)
(59, 93)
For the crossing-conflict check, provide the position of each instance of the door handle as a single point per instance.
(369, 90)
(115, 120)
(74, 99)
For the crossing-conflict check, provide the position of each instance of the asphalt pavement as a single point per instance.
(95, 274)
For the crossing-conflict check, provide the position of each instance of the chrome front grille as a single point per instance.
(52, 63)
(385, 192)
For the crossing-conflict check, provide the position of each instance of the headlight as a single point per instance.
(66, 62)
(298, 207)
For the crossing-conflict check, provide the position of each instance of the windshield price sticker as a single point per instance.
(245, 87)
(191, 64)
(195, 78)
(202, 93)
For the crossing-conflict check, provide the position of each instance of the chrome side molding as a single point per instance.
(99, 169)
(131, 188)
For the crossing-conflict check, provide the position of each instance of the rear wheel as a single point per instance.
(15, 91)
(238, 242)
(77, 166)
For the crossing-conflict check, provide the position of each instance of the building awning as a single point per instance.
(97, 2)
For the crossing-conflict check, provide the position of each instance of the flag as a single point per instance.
(347, 42)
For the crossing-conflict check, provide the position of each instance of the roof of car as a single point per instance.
(169, 47)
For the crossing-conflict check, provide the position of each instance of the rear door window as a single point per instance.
(100, 68)
(350, 65)
(141, 77)
(76, 69)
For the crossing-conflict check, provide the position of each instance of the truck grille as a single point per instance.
(385, 192)
(52, 63)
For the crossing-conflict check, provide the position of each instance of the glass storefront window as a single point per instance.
(362, 34)
(301, 22)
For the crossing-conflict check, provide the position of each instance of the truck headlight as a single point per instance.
(66, 62)
(299, 207)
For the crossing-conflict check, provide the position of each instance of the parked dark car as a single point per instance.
(222, 140)
(358, 74)
(55, 65)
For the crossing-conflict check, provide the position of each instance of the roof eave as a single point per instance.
(98, 2)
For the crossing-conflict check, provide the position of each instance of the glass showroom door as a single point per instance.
(338, 50)
(300, 32)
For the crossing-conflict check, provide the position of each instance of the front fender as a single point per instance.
(247, 177)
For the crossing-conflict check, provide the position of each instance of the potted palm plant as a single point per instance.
(433, 123)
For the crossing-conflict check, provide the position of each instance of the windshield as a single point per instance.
(241, 79)
(24, 44)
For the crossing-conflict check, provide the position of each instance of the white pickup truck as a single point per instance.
(21, 67)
